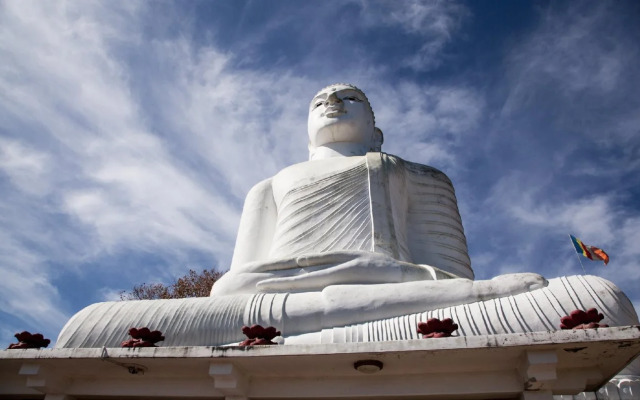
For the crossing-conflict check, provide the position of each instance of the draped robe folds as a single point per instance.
(378, 203)
(330, 213)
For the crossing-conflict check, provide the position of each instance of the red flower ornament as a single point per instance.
(434, 328)
(143, 337)
(258, 335)
(579, 319)
(28, 341)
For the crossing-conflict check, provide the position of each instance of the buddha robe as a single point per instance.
(377, 203)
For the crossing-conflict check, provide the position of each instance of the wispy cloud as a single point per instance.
(427, 122)
(529, 203)
(27, 168)
(433, 22)
(91, 177)
(583, 62)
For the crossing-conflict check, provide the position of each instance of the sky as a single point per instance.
(130, 132)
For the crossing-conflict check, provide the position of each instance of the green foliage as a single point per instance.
(193, 284)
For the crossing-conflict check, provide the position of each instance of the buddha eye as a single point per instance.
(318, 104)
(353, 98)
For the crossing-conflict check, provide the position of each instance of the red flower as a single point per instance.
(579, 319)
(434, 328)
(258, 335)
(143, 337)
(28, 341)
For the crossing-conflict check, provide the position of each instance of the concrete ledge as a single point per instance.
(506, 366)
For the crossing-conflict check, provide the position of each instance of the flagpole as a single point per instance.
(582, 265)
(577, 255)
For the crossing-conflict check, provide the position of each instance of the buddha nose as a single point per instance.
(333, 99)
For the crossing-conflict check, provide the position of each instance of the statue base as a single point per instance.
(538, 365)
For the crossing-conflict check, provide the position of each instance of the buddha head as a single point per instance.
(340, 114)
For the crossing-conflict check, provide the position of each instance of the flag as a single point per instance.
(591, 252)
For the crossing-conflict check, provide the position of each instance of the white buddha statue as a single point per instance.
(352, 245)
(352, 215)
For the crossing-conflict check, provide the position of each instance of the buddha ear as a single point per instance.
(378, 139)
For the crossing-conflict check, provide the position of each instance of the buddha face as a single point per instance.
(340, 113)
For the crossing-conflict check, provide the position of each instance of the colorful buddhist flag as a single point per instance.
(591, 252)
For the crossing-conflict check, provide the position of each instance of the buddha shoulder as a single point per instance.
(415, 170)
(310, 172)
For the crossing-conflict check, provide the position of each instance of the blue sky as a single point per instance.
(130, 132)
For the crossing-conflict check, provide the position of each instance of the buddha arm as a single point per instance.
(257, 226)
(434, 227)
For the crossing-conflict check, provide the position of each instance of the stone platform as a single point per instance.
(526, 366)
